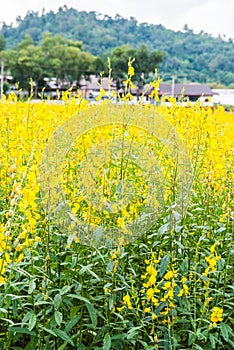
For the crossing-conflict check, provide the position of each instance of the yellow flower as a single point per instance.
(130, 71)
(150, 293)
(181, 292)
(216, 315)
(147, 309)
(127, 301)
(167, 285)
(165, 312)
(169, 275)
(121, 308)
(20, 258)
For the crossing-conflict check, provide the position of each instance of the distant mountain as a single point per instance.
(189, 56)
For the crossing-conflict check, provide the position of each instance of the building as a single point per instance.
(91, 88)
(186, 92)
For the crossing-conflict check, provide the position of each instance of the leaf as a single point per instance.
(63, 346)
(106, 342)
(176, 215)
(97, 235)
(57, 301)
(110, 266)
(65, 289)
(72, 217)
(81, 347)
(58, 316)
(133, 332)
(191, 338)
(163, 265)
(32, 321)
(87, 269)
(32, 345)
(92, 314)
(63, 335)
(163, 229)
(3, 310)
(72, 323)
(224, 331)
(21, 330)
(32, 286)
(111, 303)
(212, 341)
(79, 297)
(48, 331)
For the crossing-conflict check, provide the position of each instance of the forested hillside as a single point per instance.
(189, 56)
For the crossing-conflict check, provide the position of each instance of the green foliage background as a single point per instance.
(189, 56)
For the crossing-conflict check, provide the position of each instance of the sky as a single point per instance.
(212, 16)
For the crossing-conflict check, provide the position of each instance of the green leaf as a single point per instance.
(57, 301)
(32, 345)
(72, 323)
(32, 286)
(58, 316)
(163, 229)
(3, 310)
(63, 335)
(212, 341)
(32, 321)
(63, 346)
(224, 331)
(110, 266)
(21, 330)
(81, 347)
(79, 297)
(88, 269)
(92, 314)
(132, 333)
(65, 289)
(97, 235)
(163, 265)
(48, 331)
(106, 342)
(191, 338)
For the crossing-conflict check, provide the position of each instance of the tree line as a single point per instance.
(66, 60)
(188, 56)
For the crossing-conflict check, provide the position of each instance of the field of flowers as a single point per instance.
(116, 226)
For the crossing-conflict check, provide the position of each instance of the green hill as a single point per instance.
(189, 56)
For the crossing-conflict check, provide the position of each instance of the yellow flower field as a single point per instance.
(141, 253)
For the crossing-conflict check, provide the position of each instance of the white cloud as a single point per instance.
(216, 19)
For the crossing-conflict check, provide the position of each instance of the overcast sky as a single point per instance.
(213, 16)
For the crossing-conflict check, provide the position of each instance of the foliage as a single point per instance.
(145, 62)
(2, 42)
(55, 57)
(169, 289)
(189, 56)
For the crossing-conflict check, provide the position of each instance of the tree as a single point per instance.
(25, 62)
(2, 42)
(144, 62)
(55, 57)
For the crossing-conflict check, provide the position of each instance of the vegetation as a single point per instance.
(170, 287)
(65, 60)
(189, 56)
